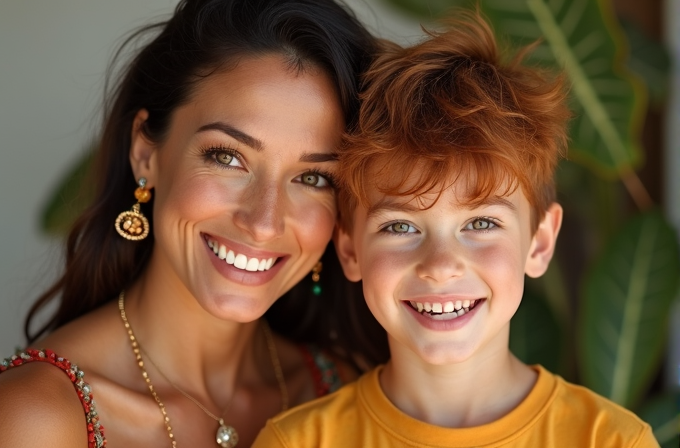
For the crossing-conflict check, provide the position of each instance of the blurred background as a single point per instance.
(607, 314)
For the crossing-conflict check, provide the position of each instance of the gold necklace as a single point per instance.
(226, 436)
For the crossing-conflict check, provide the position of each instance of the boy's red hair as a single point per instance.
(452, 106)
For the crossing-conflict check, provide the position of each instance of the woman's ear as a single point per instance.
(142, 151)
(344, 247)
(543, 242)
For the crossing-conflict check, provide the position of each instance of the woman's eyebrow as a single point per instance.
(318, 157)
(234, 133)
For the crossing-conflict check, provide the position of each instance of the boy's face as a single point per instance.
(445, 281)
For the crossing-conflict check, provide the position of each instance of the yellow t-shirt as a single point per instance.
(554, 414)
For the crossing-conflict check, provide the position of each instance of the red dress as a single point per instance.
(322, 368)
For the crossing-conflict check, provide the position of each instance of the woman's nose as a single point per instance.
(261, 212)
(441, 261)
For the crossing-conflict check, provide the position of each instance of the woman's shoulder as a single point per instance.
(46, 402)
(328, 371)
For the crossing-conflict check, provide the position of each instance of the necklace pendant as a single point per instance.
(226, 436)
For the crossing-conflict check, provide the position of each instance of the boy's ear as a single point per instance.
(344, 247)
(543, 242)
(142, 151)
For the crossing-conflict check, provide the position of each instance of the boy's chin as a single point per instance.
(444, 353)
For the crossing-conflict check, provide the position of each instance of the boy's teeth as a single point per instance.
(446, 310)
(240, 261)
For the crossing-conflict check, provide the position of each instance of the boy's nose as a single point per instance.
(440, 263)
(261, 212)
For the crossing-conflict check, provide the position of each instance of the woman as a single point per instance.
(226, 124)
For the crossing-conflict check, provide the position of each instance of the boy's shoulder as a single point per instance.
(318, 422)
(566, 411)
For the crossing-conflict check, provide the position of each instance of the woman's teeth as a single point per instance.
(446, 310)
(240, 261)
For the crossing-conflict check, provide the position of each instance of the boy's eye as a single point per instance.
(314, 180)
(400, 227)
(480, 224)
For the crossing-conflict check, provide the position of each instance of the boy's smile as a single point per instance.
(444, 281)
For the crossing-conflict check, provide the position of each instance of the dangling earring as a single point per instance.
(316, 271)
(133, 225)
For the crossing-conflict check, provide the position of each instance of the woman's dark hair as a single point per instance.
(200, 38)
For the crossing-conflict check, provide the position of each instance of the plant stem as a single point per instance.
(636, 189)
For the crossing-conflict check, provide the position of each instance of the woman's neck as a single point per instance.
(474, 392)
(202, 354)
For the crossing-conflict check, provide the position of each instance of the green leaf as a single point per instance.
(625, 306)
(581, 37)
(69, 200)
(535, 335)
(648, 59)
(663, 413)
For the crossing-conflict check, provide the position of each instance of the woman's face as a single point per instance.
(243, 182)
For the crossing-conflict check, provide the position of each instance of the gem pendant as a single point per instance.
(226, 436)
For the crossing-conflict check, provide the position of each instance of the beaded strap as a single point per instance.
(95, 431)
(323, 369)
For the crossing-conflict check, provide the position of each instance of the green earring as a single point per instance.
(316, 271)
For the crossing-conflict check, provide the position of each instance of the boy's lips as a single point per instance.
(241, 263)
(443, 314)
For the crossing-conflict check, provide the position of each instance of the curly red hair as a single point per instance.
(451, 107)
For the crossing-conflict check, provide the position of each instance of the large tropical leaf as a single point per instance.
(583, 38)
(663, 413)
(625, 306)
(648, 59)
(535, 335)
(69, 199)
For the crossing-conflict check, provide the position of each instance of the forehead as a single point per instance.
(265, 96)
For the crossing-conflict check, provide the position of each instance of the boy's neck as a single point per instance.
(474, 392)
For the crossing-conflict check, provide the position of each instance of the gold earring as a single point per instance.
(133, 225)
(316, 276)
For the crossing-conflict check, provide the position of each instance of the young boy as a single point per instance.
(447, 202)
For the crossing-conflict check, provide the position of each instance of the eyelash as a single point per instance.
(210, 155)
(494, 222)
(385, 228)
(330, 178)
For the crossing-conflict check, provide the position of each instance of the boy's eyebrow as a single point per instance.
(387, 204)
(494, 200)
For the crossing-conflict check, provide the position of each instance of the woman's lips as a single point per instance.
(249, 267)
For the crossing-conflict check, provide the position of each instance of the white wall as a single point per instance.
(672, 174)
(53, 56)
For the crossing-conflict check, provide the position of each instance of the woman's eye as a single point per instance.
(226, 158)
(313, 179)
(481, 224)
(400, 227)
